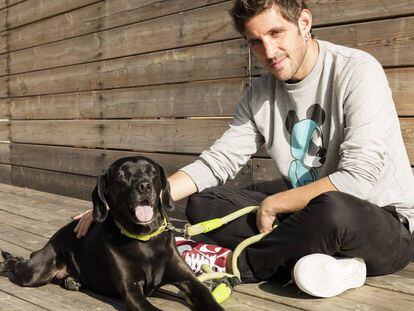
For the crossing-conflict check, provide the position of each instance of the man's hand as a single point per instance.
(85, 221)
(266, 215)
(289, 201)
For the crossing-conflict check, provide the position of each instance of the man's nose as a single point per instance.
(269, 49)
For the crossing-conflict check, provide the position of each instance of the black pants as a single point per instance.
(333, 223)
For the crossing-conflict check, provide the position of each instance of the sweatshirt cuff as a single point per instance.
(201, 175)
(347, 183)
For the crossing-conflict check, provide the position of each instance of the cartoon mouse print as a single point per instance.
(306, 145)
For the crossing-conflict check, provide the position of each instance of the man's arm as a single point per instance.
(181, 186)
(289, 201)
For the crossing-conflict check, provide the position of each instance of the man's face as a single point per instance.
(278, 44)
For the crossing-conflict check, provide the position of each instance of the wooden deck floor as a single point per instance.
(28, 219)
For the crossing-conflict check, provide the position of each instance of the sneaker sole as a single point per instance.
(322, 275)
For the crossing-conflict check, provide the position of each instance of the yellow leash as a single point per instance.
(212, 224)
(223, 290)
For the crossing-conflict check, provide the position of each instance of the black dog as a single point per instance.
(114, 263)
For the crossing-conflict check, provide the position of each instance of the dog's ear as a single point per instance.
(100, 206)
(165, 187)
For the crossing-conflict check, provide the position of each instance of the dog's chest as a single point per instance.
(157, 251)
(145, 261)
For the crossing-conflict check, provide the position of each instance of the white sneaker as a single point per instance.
(322, 275)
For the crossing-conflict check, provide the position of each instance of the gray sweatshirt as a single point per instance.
(340, 121)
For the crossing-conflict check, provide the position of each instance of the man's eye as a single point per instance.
(275, 33)
(253, 42)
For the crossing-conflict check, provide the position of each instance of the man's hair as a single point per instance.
(243, 10)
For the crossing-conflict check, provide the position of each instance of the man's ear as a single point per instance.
(165, 187)
(305, 22)
(100, 206)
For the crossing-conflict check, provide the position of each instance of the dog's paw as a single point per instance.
(71, 284)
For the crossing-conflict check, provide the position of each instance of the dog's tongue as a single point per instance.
(144, 212)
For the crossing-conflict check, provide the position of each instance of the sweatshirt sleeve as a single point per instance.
(224, 159)
(369, 113)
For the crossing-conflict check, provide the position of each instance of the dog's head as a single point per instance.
(131, 189)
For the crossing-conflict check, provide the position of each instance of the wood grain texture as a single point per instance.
(3, 22)
(401, 281)
(4, 87)
(217, 60)
(5, 174)
(7, 3)
(27, 223)
(407, 129)
(37, 206)
(88, 162)
(5, 153)
(11, 303)
(363, 298)
(238, 301)
(4, 59)
(189, 28)
(31, 241)
(70, 185)
(32, 10)
(167, 135)
(345, 11)
(52, 297)
(107, 20)
(204, 98)
(99, 15)
(4, 108)
(391, 42)
(401, 81)
(4, 131)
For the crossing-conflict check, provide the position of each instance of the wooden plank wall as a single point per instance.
(83, 82)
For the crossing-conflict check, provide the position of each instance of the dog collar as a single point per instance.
(143, 237)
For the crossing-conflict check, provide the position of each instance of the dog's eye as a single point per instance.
(124, 174)
(154, 172)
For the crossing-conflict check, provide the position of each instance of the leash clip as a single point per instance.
(183, 232)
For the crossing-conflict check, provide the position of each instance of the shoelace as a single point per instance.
(196, 260)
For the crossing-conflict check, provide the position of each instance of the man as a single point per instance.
(326, 115)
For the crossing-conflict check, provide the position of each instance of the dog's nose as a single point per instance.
(144, 187)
